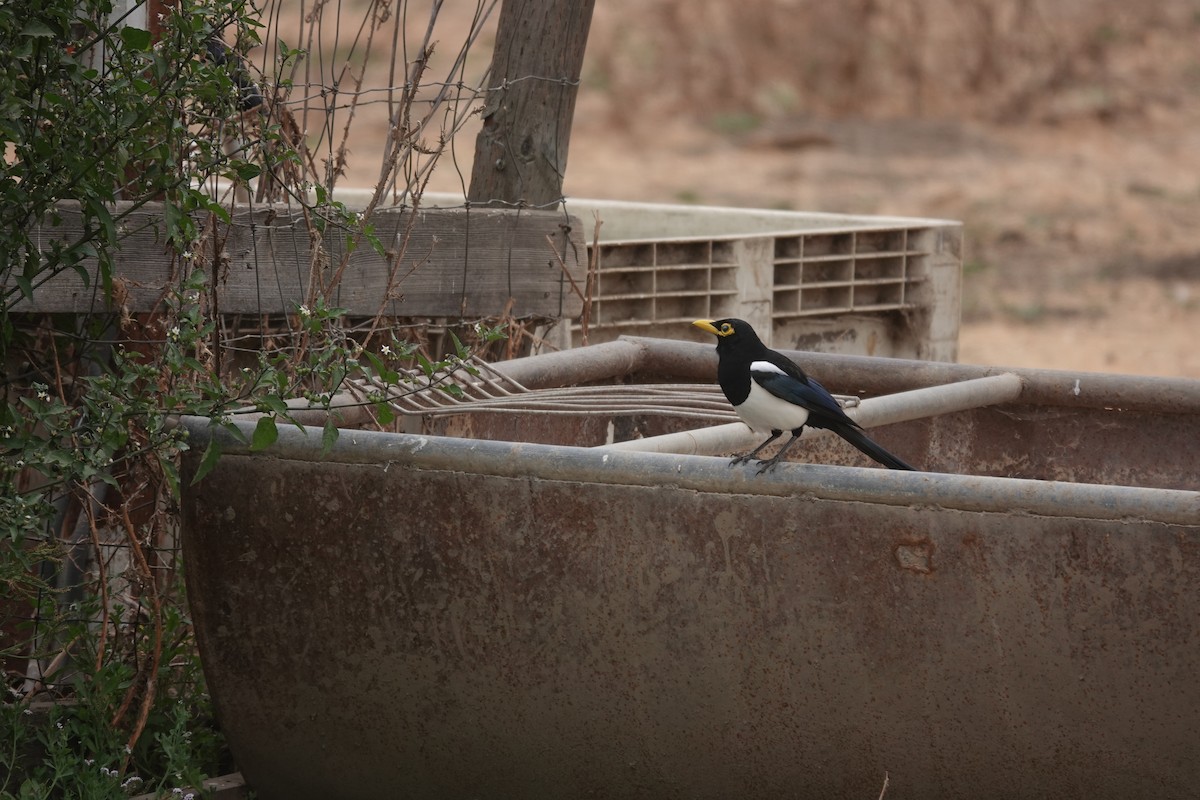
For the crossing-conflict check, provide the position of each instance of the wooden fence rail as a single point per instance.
(457, 262)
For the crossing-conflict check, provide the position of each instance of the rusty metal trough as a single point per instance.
(516, 615)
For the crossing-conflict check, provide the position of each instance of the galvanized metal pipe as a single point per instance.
(870, 413)
(607, 466)
(579, 365)
(871, 375)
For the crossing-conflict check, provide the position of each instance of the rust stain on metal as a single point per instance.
(915, 556)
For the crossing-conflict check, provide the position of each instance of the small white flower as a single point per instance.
(29, 711)
(305, 312)
(174, 332)
(58, 725)
(187, 255)
(386, 350)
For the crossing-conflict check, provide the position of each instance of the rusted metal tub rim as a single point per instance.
(707, 474)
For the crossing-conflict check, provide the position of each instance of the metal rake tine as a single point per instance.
(499, 377)
(632, 395)
(416, 397)
(557, 411)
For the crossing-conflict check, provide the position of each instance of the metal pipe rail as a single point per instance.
(870, 413)
(604, 466)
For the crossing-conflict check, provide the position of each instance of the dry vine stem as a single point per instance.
(151, 671)
(590, 284)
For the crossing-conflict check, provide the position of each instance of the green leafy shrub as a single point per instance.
(104, 692)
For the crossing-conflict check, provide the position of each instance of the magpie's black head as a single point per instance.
(731, 333)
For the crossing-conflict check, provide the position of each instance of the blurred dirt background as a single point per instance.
(1064, 134)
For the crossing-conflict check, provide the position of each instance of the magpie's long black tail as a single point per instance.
(856, 437)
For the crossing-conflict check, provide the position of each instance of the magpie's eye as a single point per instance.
(726, 328)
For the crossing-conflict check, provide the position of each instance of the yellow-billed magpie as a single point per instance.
(771, 393)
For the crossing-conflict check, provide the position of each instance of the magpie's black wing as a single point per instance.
(823, 410)
(800, 390)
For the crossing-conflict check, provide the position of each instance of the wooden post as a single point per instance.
(521, 153)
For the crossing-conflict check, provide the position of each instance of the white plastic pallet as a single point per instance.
(835, 283)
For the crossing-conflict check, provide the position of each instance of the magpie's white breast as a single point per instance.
(764, 411)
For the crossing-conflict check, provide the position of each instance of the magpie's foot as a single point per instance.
(766, 465)
(733, 462)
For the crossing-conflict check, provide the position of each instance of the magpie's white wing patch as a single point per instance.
(765, 367)
(765, 409)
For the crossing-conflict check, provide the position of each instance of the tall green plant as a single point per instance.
(94, 111)
(107, 117)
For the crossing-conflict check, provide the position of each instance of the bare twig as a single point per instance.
(102, 579)
(593, 268)
(150, 671)
(562, 265)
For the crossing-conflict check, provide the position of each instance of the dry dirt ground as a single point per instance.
(1082, 236)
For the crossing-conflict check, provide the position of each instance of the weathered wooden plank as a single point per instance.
(437, 263)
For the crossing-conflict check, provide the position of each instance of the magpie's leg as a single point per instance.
(769, 464)
(743, 459)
